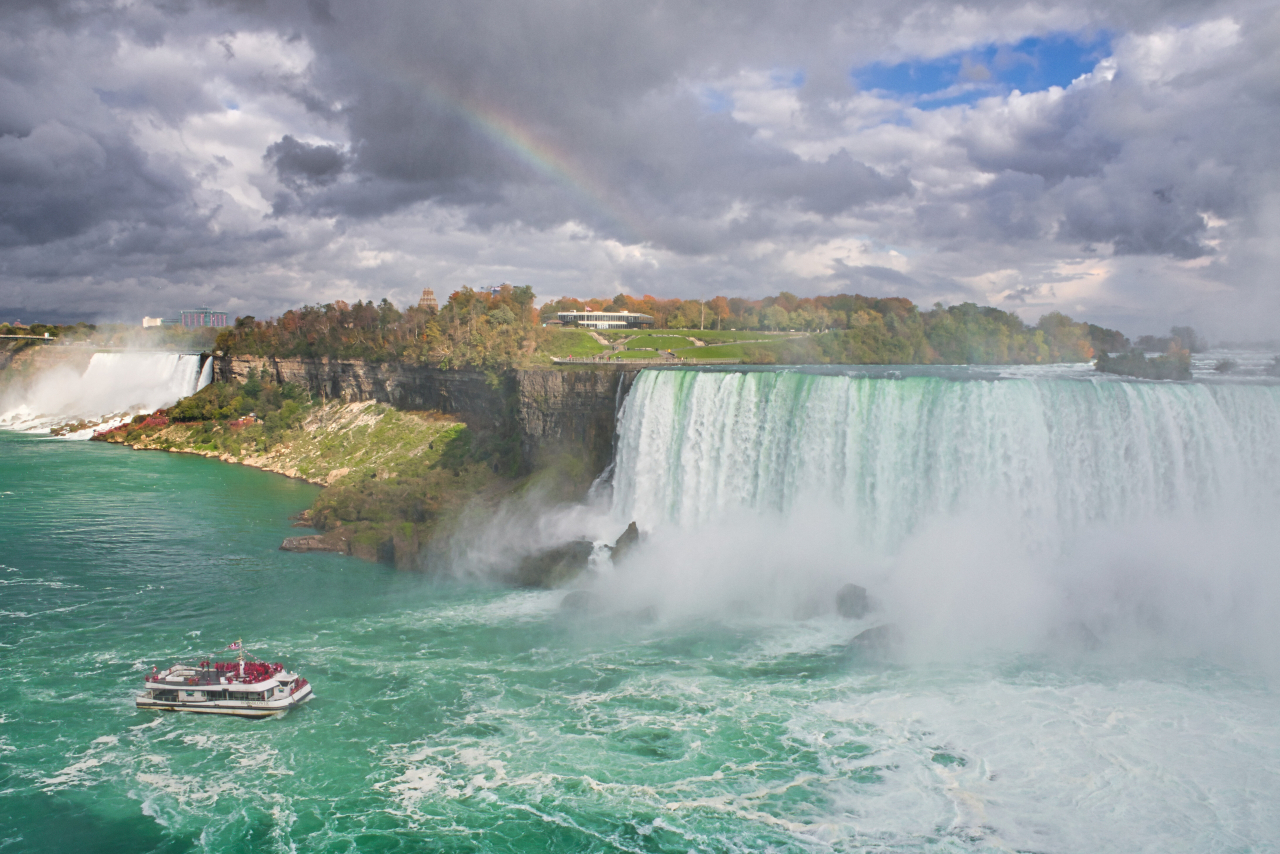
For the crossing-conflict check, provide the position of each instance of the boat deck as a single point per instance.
(218, 673)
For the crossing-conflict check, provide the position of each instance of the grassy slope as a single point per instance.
(658, 341)
(714, 351)
(712, 336)
(637, 354)
(799, 350)
(394, 478)
(562, 343)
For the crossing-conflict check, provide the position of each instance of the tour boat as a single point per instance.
(246, 689)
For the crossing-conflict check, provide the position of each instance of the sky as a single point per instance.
(1116, 161)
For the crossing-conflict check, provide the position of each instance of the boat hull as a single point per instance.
(262, 709)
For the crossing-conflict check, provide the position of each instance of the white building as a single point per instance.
(605, 319)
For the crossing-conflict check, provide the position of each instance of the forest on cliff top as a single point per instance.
(502, 329)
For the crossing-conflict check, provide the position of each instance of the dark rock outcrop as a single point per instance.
(852, 602)
(555, 566)
(398, 550)
(877, 640)
(314, 543)
(629, 540)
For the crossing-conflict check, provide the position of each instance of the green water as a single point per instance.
(456, 717)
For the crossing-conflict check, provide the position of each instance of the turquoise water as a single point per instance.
(456, 717)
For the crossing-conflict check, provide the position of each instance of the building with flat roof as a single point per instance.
(605, 319)
(193, 318)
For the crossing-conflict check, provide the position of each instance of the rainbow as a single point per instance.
(552, 164)
(548, 161)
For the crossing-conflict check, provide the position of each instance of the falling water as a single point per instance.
(206, 374)
(112, 386)
(891, 454)
(981, 512)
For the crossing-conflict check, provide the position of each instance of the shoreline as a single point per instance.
(375, 466)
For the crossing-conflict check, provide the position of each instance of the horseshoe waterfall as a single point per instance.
(992, 511)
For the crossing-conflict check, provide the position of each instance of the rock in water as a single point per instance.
(313, 543)
(879, 639)
(576, 600)
(629, 540)
(553, 567)
(852, 603)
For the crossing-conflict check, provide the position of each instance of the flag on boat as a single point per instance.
(235, 645)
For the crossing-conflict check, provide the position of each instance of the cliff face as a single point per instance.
(569, 411)
(465, 394)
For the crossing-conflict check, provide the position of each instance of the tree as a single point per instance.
(720, 310)
(502, 315)
(388, 314)
(775, 317)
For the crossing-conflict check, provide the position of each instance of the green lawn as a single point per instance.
(561, 343)
(781, 351)
(712, 336)
(637, 354)
(658, 342)
(715, 351)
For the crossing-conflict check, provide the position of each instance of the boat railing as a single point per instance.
(230, 671)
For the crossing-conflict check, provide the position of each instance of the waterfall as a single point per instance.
(112, 386)
(206, 373)
(1056, 454)
(993, 504)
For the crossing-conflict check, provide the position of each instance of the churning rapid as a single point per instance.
(110, 387)
(1008, 511)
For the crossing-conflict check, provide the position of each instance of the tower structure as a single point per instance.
(428, 300)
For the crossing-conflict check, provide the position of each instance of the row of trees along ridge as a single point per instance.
(502, 329)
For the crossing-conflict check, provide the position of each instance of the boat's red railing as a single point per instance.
(213, 674)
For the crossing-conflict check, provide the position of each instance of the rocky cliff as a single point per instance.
(569, 411)
(469, 395)
(553, 410)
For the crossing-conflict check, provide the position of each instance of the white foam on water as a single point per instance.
(1134, 766)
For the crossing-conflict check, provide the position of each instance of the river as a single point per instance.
(1083, 676)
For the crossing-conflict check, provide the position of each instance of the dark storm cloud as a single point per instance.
(1154, 223)
(58, 181)
(67, 163)
(455, 114)
(870, 278)
(300, 164)
(1058, 139)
